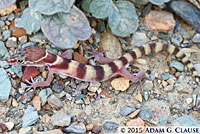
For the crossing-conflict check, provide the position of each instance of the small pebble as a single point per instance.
(57, 87)
(3, 49)
(148, 85)
(146, 95)
(26, 130)
(135, 122)
(15, 103)
(76, 128)
(138, 97)
(110, 127)
(5, 85)
(126, 110)
(94, 86)
(89, 127)
(164, 83)
(170, 81)
(137, 106)
(189, 100)
(9, 125)
(61, 119)
(159, 20)
(54, 101)
(97, 129)
(134, 114)
(37, 102)
(165, 76)
(22, 39)
(121, 84)
(169, 88)
(6, 34)
(178, 65)
(30, 116)
(44, 94)
(54, 131)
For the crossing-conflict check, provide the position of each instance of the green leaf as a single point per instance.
(124, 20)
(65, 29)
(158, 2)
(101, 8)
(85, 5)
(6, 3)
(49, 7)
(30, 21)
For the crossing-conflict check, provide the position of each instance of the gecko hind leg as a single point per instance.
(99, 56)
(134, 78)
(35, 84)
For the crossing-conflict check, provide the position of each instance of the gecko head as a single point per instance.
(28, 56)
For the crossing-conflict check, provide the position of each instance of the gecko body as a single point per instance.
(35, 56)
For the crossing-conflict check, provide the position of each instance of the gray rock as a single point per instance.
(155, 111)
(76, 128)
(60, 95)
(30, 116)
(44, 94)
(80, 101)
(82, 85)
(73, 84)
(164, 36)
(4, 64)
(57, 87)
(60, 118)
(196, 38)
(22, 39)
(6, 34)
(68, 96)
(110, 127)
(191, 15)
(11, 42)
(126, 110)
(197, 67)
(165, 76)
(11, 17)
(146, 95)
(110, 45)
(138, 106)
(177, 65)
(39, 37)
(185, 121)
(138, 39)
(28, 96)
(3, 49)
(28, 44)
(17, 70)
(147, 86)
(54, 101)
(5, 85)
(23, 4)
(55, 131)
(26, 130)
(177, 39)
(2, 23)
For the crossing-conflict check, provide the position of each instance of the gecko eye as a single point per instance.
(20, 60)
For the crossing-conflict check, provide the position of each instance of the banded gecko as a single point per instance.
(35, 56)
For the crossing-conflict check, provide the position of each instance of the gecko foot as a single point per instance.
(99, 56)
(33, 84)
